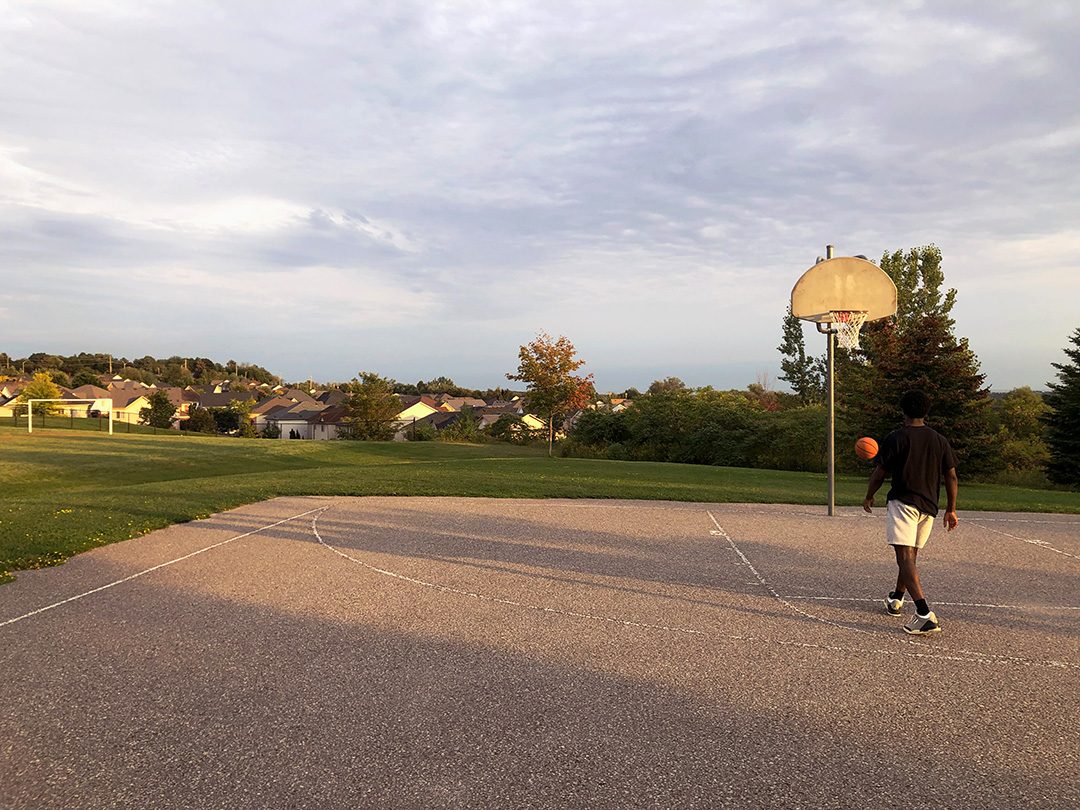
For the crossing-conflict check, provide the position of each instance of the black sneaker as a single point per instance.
(921, 625)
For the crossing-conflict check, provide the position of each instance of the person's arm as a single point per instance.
(952, 485)
(877, 478)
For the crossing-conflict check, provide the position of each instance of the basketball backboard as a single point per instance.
(843, 284)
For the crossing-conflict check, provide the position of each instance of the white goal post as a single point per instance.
(30, 411)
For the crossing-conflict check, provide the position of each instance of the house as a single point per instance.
(533, 422)
(181, 402)
(222, 399)
(102, 401)
(332, 397)
(126, 404)
(9, 395)
(298, 395)
(438, 420)
(457, 403)
(259, 411)
(305, 421)
(415, 408)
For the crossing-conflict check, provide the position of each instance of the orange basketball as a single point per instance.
(866, 448)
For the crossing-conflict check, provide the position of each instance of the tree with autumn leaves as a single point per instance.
(547, 366)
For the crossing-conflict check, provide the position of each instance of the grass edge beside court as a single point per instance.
(70, 491)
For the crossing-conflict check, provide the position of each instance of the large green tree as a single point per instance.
(918, 348)
(1063, 433)
(547, 366)
(805, 374)
(372, 406)
(1021, 430)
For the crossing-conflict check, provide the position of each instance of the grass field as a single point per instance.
(69, 491)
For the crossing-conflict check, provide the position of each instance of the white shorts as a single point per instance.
(906, 526)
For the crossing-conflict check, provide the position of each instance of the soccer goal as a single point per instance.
(30, 410)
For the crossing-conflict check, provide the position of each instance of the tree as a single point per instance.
(372, 407)
(667, 384)
(199, 420)
(41, 387)
(132, 373)
(918, 349)
(1020, 430)
(1062, 434)
(226, 420)
(805, 374)
(85, 376)
(160, 412)
(511, 428)
(178, 375)
(547, 366)
(245, 427)
(463, 429)
(60, 377)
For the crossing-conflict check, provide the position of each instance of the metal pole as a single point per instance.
(29, 416)
(830, 337)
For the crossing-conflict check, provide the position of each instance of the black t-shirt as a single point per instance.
(917, 459)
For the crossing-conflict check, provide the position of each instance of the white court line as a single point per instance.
(764, 584)
(1030, 541)
(1026, 520)
(879, 511)
(936, 602)
(155, 568)
(682, 630)
(988, 657)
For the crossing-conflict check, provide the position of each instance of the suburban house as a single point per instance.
(313, 414)
(303, 420)
(102, 400)
(126, 404)
(413, 407)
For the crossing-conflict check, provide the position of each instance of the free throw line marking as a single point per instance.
(156, 567)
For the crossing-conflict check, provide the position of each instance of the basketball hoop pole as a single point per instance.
(830, 338)
(839, 294)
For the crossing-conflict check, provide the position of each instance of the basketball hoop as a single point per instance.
(848, 325)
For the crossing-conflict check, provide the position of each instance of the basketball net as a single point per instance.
(848, 325)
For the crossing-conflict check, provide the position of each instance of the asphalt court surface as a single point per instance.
(408, 652)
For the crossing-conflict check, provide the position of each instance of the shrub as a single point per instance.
(422, 432)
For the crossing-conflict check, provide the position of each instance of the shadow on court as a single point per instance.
(172, 699)
(272, 672)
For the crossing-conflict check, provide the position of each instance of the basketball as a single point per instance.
(866, 448)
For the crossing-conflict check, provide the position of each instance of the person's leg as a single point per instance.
(908, 574)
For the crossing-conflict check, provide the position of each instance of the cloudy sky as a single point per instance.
(417, 188)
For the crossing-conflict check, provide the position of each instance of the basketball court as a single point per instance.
(343, 652)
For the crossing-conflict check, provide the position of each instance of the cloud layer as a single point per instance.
(418, 188)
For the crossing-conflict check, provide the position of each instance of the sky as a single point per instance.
(418, 188)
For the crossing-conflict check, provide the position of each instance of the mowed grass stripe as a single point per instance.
(68, 491)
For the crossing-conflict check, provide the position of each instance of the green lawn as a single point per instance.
(68, 491)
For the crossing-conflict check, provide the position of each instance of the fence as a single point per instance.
(69, 421)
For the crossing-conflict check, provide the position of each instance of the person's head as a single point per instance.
(915, 404)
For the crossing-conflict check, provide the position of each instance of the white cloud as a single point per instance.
(650, 178)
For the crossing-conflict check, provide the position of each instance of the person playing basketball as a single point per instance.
(918, 459)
